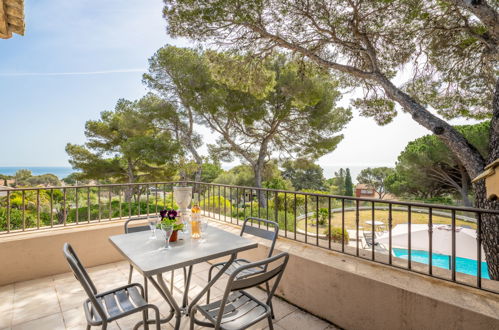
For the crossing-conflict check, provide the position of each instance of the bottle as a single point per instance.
(195, 221)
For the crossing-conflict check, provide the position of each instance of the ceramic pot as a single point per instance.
(174, 236)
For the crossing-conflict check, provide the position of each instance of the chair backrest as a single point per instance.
(268, 269)
(82, 276)
(270, 232)
(368, 236)
(135, 229)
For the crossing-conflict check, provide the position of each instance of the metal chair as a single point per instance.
(105, 307)
(270, 235)
(238, 309)
(133, 230)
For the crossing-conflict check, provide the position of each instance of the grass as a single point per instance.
(398, 217)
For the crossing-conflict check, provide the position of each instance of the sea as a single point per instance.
(60, 171)
(63, 171)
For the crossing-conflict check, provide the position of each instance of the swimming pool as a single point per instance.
(463, 265)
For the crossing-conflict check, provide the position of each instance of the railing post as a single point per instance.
(24, 213)
(77, 220)
(98, 202)
(329, 222)
(452, 265)
(317, 220)
(306, 219)
(38, 209)
(430, 242)
(64, 212)
(479, 250)
(276, 210)
(8, 211)
(285, 215)
(88, 205)
(390, 220)
(109, 196)
(357, 220)
(343, 225)
(409, 219)
(373, 255)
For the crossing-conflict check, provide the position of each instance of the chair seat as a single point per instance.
(241, 311)
(238, 263)
(116, 304)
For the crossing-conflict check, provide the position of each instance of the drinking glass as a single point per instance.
(152, 225)
(203, 226)
(185, 222)
(167, 231)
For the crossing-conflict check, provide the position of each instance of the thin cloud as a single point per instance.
(81, 73)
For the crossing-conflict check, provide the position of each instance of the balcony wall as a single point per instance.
(347, 291)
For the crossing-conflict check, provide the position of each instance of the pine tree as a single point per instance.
(348, 184)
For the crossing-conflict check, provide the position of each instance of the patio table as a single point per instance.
(148, 258)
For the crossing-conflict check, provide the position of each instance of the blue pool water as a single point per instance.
(463, 265)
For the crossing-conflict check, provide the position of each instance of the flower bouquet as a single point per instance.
(168, 217)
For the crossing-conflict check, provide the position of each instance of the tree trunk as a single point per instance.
(258, 169)
(465, 186)
(466, 153)
(490, 223)
(129, 191)
(489, 229)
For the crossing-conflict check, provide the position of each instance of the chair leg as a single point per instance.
(271, 326)
(130, 275)
(270, 301)
(104, 326)
(191, 321)
(145, 318)
(209, 279)
(158, 319)
(88, 326)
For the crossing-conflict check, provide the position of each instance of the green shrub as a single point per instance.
(322, 216)
(214, 203)
(336, 235)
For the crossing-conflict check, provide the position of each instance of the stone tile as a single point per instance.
(70, 296)
(32, 305)
(130, 321)
(6, 319)
(201, 268)
(6, 305)
(282, 308)
(64, 278)
(50, 322)
(298, 320)
(33, 285)
(75, 319)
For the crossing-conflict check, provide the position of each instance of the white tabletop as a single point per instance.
(148, 257)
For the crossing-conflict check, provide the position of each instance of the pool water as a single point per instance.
(463, 265)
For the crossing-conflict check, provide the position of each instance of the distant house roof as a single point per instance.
(11, 18)
(362, 186)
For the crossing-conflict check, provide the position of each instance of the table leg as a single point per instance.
(146, 297)
(187, 283)
(210, 283)
(163, 289)
(165, 294)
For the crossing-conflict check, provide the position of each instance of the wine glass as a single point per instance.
(152, 225)
(203, 226)
(167, 231)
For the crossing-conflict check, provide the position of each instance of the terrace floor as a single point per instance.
(55, 302)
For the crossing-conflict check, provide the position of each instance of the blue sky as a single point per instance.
(79, 57)
(58, 75)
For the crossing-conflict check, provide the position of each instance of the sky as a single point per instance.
(78, 58)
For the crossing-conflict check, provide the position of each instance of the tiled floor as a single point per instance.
(55, 302)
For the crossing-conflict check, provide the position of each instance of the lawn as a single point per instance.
(398, 217)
